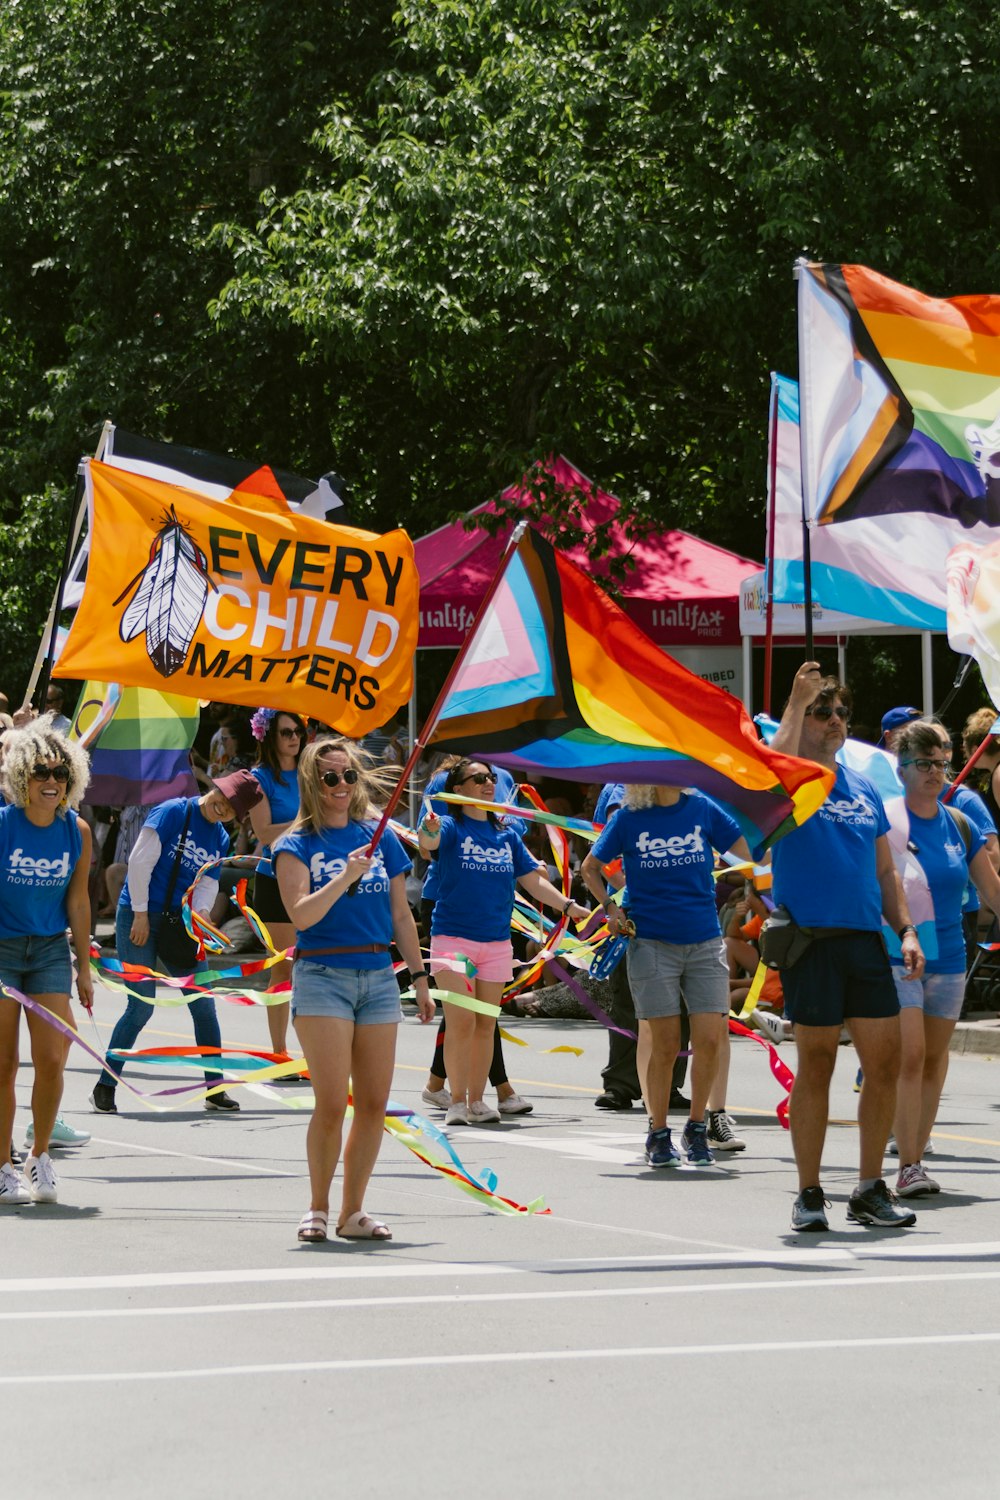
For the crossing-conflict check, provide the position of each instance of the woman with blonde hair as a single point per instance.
(44, 870)
(348, 907)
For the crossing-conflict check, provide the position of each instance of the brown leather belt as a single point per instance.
(354, 948)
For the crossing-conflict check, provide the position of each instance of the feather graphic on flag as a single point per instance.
(170, 600)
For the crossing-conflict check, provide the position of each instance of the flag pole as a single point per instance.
(41, 671)
(805, 456)
(442, 697)
(772, 473)
(970, 763)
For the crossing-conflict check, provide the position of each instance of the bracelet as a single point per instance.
(430, 832)
(909, 927)
(421, 974)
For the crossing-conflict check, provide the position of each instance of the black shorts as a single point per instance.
(267, 902)
(840, 977)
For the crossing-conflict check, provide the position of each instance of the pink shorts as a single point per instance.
(494, 962)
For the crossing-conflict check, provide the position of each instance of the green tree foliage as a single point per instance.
(428, 246)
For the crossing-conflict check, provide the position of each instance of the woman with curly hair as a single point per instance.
(345, 997)
(280, 738)
(665, 838)
(44, 869)
(479, 863)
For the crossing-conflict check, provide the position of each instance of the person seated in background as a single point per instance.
(741, 920)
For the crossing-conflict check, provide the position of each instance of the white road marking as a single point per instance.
(387, 1270)
(212, 1161)
(350, 1304)
(520, 1357)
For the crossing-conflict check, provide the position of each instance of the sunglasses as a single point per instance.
(334, 778)
(50, 773)
(825, 712)
(480, 778)
(291, 734)
(926, 765)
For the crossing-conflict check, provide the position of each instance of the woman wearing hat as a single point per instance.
(177, 839)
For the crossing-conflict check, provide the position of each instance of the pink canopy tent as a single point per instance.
(681, 591)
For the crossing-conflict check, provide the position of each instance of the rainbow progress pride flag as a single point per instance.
(556, 680)
(900, 399)
(138, 741)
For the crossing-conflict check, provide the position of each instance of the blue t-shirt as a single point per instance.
(824, 872)
(365, 917)
(668, 859)
(203, 841)
(612, 795)
(36, 867)
(969, 802)
(478, 866)
(506, 791)
(283, 799)
(940, 851)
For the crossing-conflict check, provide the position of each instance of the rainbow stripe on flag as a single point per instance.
(138, 741)
(556, 680)
(901, 396)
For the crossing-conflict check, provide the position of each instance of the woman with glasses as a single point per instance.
(479, 862)
(347, 907)
(436, 1093)
(44, 869)
(935, 849)
(179, 837)
(281, 738)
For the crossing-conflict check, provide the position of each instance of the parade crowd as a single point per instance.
(879, 901)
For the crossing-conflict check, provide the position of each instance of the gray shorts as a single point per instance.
(657, 972)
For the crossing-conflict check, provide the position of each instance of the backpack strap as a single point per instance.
(962, 824)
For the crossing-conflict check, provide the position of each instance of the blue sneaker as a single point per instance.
(695, 1143)
(62, 1135)
(660, 1149)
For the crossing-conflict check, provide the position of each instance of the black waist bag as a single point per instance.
(782, 941)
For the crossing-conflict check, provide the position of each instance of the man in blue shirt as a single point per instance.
(836, 875)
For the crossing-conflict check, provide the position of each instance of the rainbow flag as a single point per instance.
(900, 399)
(556, 680)
(138, 740)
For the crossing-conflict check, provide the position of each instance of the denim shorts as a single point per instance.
(838, 978)
(37, 965)
(938, 995)
(658, 972)
(368, 997)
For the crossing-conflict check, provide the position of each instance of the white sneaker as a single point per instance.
(437, 1098)
(40, 1178)
(892, 1148)
(770, 1024)
(12, 1189)
(457, 1115)
(481, 1113)
(514, 1105)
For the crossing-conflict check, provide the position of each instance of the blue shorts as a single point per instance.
(939, 995)
(368, 997)
(658, 972)
(37, 965)
(838, 978)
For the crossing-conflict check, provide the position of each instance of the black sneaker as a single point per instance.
(809, 1211)
(678, 1102)
(878, 1206)
(721, 1135)
(220, 1100)
(16, 1159)
(611, 1099)
(103, 1099)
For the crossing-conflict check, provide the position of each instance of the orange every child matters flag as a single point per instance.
(245, 603)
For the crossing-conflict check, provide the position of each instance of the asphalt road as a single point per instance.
(164, 1335)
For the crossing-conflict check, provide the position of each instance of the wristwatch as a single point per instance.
(421, 974)
(907, 927)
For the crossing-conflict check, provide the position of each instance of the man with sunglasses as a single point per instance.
(835, 875)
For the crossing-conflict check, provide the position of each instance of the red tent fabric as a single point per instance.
(681, 591)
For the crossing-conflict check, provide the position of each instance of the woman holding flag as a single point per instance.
(347, 907)
(479, 863)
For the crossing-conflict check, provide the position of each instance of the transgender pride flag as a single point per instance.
(888, 568)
